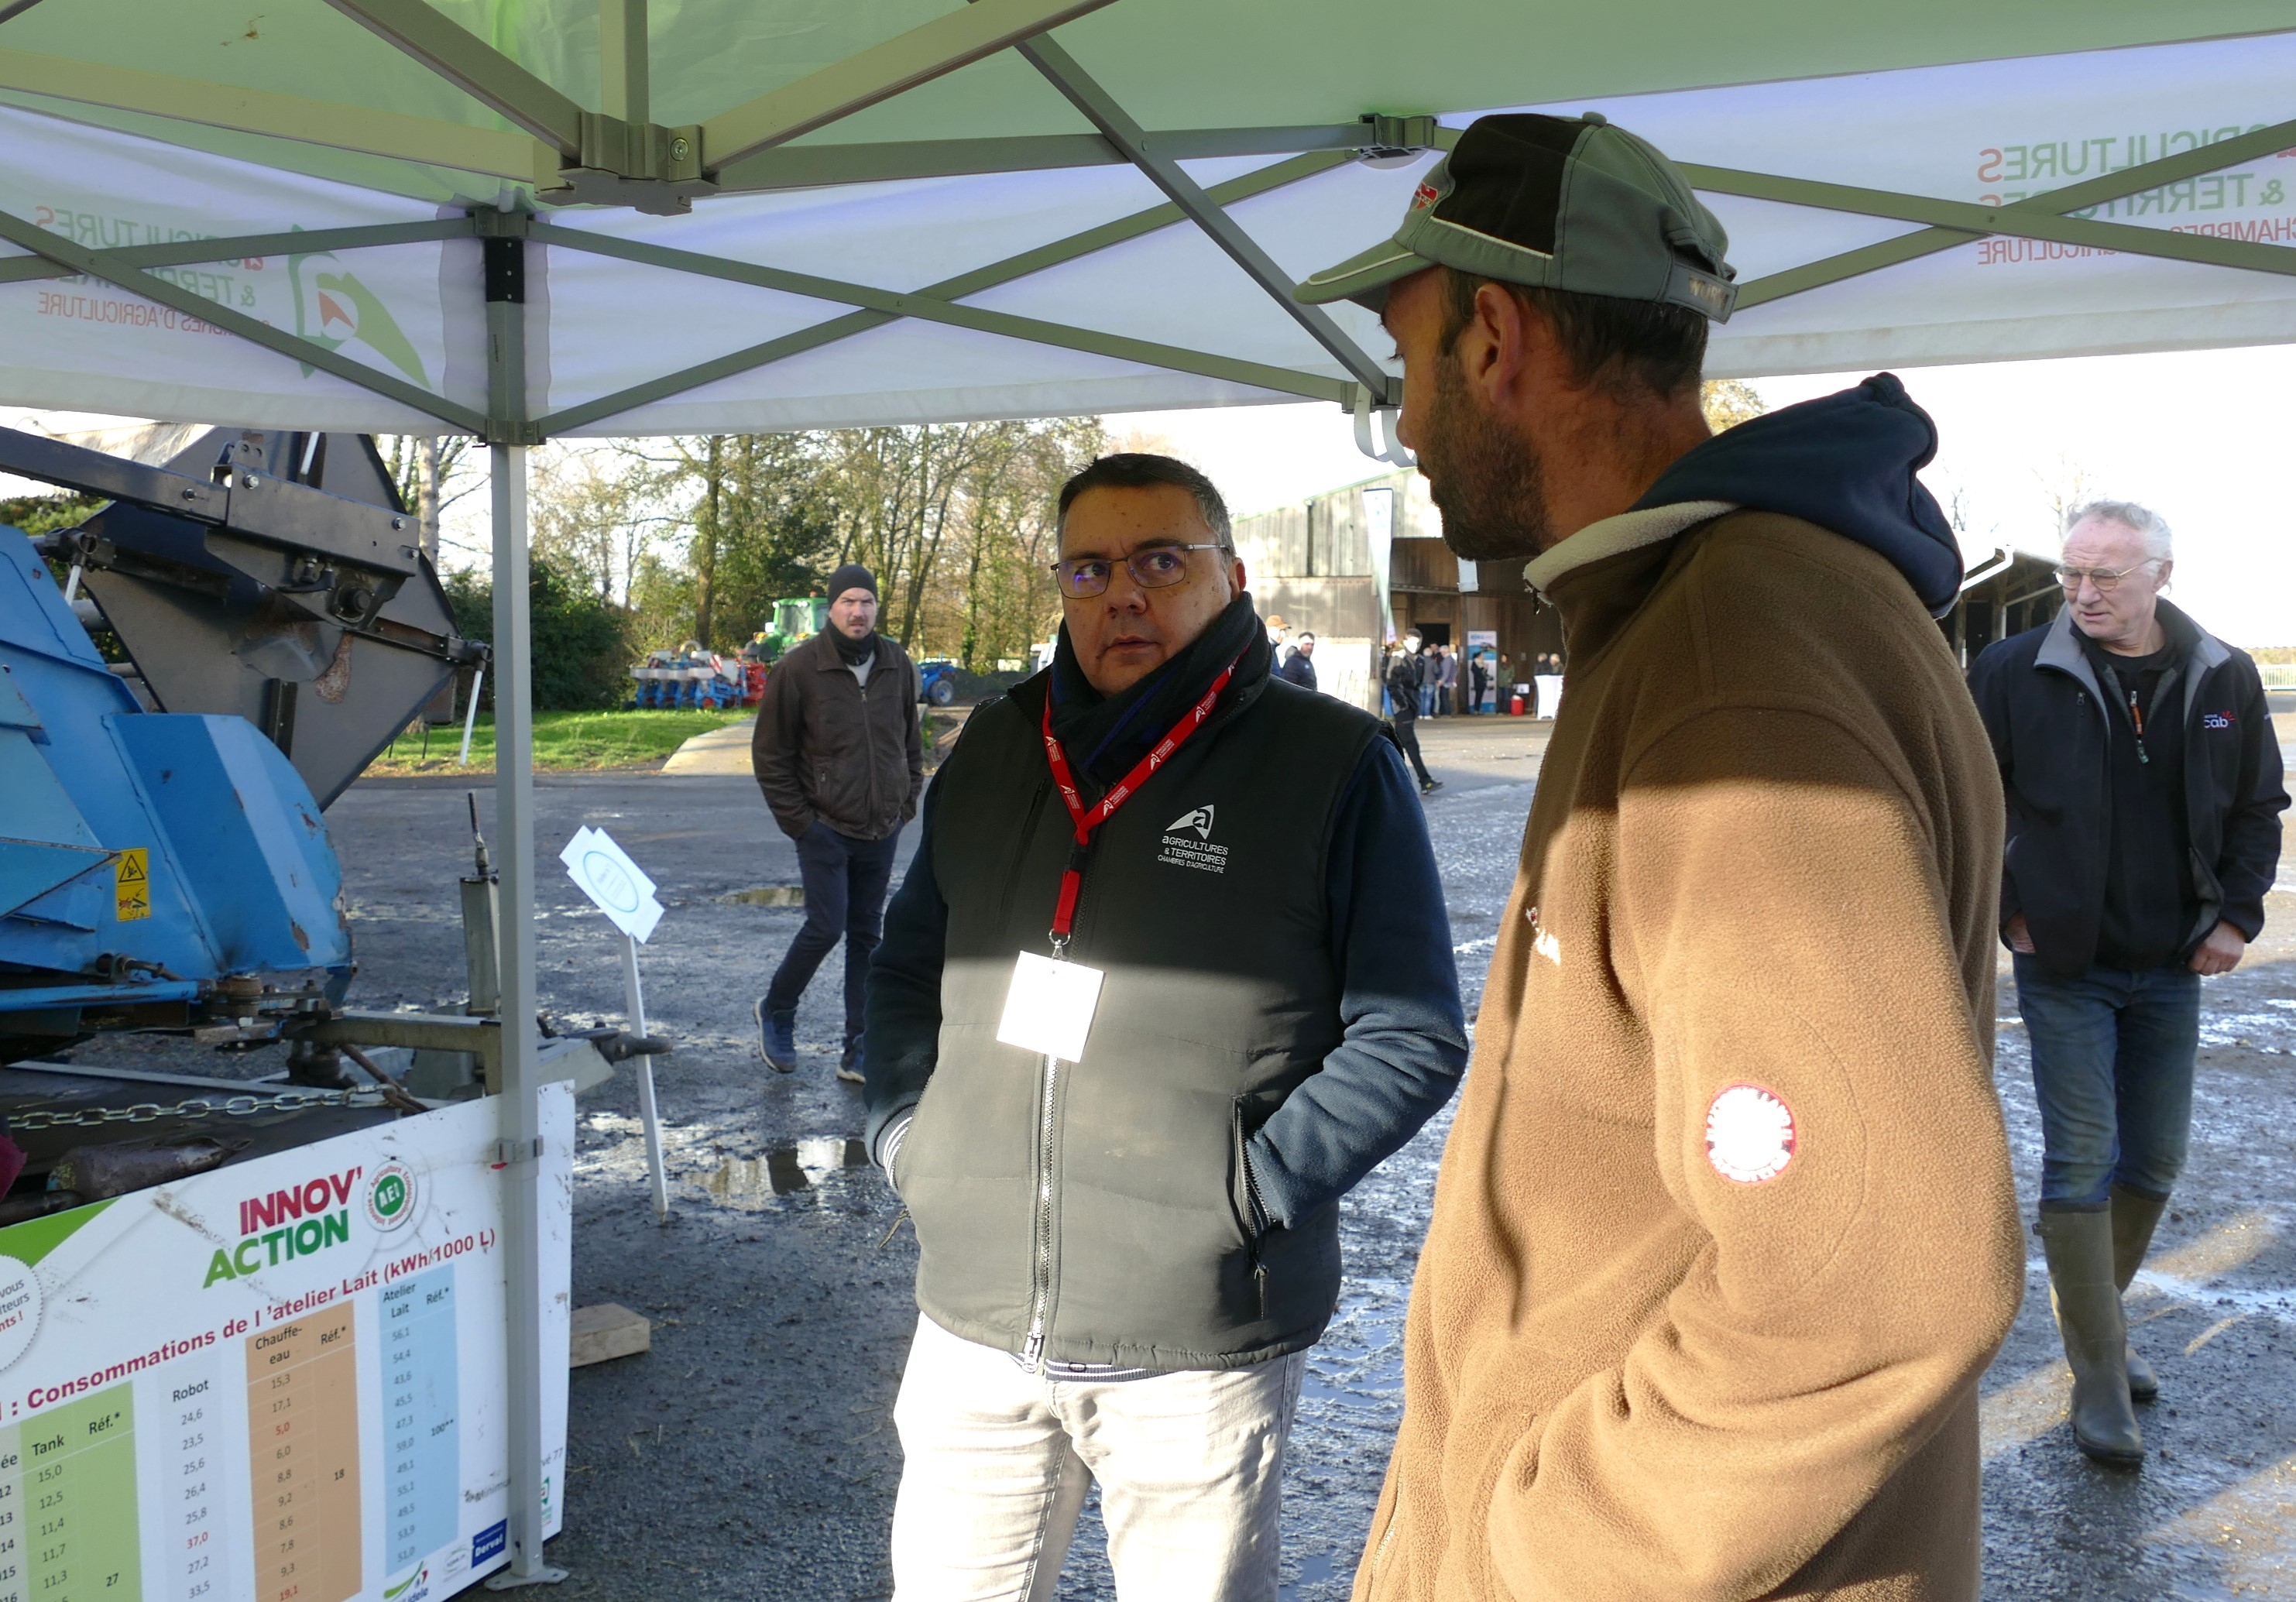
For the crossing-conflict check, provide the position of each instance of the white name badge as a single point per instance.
(1049, 1008)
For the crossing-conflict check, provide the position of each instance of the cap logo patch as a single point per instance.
(1424, 196)
(1712, 296)
(1751, 1135)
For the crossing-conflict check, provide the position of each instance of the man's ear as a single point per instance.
(1236, 576)
(1501, 342)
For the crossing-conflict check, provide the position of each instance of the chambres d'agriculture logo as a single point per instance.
(332, 307)
(390, 1196)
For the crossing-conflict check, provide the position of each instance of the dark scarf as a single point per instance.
(1105, 735)
(852, 652)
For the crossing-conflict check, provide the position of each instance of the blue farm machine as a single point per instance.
(165, 864)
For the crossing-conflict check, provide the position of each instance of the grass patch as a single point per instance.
(563, 741)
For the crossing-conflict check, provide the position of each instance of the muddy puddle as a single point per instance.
(793, 1169)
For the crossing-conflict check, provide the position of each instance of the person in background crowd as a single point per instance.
(1278, 632)
(1447, 682)
(1479, 679)
(840, 759)
(2144, 795)
(1428, 661)
(1726, 1234)
(1123, 1255)
(1406, 670)
(1299, 667)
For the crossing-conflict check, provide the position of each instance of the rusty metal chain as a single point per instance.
(152, 1112)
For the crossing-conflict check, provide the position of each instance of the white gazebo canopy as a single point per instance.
(899, 212)
(527, 218)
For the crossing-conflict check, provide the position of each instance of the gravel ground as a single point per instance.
(751, 1453)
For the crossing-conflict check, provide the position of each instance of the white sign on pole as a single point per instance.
(620, 887)
(625, 895)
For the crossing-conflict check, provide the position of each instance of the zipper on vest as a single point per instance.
(1253, 1212)
(1041, 1278)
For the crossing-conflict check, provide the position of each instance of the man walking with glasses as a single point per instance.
(1138, 1022)
(2144, 786)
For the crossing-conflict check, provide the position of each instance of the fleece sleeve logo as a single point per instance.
(1750, 1134)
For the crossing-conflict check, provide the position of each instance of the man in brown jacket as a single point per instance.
(1725, 1234)
(840, 759)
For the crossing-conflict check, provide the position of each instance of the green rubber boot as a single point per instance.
(2134, 1217)
(2079, 1250)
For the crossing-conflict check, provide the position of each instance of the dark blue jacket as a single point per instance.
(2051, 728)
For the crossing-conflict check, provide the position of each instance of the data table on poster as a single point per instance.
(421, 1423)
(67, 1523)
(198, 1502)
(303, 1458)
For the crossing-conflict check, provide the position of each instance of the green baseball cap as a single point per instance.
(1554, 202)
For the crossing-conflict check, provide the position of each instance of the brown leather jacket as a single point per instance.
(826, 748)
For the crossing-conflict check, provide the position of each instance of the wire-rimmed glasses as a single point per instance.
(2103, 578)
(1152, 566)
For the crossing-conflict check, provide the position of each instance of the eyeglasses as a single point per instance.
(2103, 578)
(1152, 566)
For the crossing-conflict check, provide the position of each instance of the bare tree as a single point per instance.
(595, 512)
(2065, 484)
(431, 472)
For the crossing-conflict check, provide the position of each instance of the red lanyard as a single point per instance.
(1072, 879)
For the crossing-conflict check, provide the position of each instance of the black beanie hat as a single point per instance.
(852, 575)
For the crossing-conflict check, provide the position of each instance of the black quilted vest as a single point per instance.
(1103, 1205)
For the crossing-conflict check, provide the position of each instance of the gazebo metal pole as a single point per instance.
(522, 1113)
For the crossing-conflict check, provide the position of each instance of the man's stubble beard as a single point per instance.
(1487, 481)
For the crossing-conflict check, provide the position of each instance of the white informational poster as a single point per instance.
(281, 1381)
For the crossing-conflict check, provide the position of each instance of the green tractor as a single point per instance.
(795, 619)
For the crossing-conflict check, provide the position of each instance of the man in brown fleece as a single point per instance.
(1725, 1234)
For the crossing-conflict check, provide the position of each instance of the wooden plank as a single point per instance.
(606, 1331)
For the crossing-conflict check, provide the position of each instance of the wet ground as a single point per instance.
(751, 1453)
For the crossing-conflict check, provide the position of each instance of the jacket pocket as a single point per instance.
(1243, 1203)
(901, 1164)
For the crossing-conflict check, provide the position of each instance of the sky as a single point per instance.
(2193, 435)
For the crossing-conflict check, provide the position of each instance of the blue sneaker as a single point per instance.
(776, 1038)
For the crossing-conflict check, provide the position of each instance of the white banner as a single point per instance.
(1987, 133)
(281, 1381)
(1995, 133)
(86, 345)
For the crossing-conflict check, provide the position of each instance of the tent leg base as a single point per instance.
(511, 1579)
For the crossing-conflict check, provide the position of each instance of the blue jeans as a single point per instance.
(845, 881)
(2112, 1072)
(1427, 700)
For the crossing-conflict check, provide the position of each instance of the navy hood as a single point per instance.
(1846, 462)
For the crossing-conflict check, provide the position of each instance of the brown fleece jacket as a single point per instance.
(1664, 1345)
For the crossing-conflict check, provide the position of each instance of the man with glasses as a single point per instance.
(2143, 785)
(1140, 1018)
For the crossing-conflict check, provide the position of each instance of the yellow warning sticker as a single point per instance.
(131, 888)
